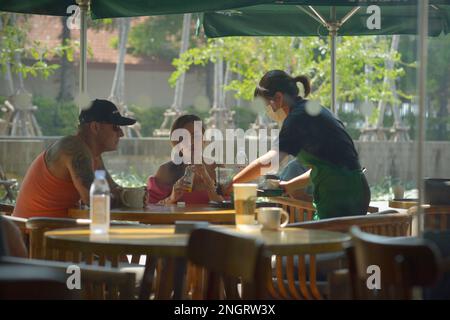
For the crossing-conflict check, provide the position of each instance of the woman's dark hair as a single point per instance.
(183, 120)
(279, 81)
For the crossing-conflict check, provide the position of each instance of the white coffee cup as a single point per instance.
(270, 218)
(133, 197)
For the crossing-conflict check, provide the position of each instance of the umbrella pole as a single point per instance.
(84, 5)
(333, 35)
(423, 59)
(333, 70)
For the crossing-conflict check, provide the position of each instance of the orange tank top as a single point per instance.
(43, 195)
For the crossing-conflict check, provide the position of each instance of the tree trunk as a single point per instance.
(179, 88)
(66, 78)
(389, 67)
(118, 85)
(443, 113)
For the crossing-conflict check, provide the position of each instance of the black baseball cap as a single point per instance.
(104, 111)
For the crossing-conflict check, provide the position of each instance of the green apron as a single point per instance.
(337, 191)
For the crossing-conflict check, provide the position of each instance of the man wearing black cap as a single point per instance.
(62, 175)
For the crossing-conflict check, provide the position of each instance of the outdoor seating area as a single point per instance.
(258, 151)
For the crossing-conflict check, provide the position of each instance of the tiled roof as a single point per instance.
(47, 29)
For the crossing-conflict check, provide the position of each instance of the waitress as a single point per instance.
(319, 141)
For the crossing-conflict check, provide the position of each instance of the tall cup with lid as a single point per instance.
(244, 195)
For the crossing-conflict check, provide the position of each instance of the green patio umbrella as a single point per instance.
(287, 19)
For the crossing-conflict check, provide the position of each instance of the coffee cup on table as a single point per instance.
(133, 197)
(399, 192)
(270, 218)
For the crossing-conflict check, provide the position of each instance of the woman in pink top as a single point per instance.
(167, 186)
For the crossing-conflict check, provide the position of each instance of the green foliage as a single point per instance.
(251, 57)
(131, 179)
(14, 42)
(350, 119)
(149, 118)
(243, 117)
(56, 119)
(202, 114)
(382, 190)
(158, 36)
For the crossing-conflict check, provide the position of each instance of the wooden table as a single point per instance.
(403, 204)
(161, 240)
(167, 214)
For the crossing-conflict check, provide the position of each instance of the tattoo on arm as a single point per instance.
(82, 166)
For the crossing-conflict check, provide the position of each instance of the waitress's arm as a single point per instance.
(257, 168)
(299, 182)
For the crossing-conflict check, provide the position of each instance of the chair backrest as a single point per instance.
(298, 210)
(228, 259)
(39, 225)
(96, 283)
(12, 237)
(22, 282)
(391, 224)
(6, 208)
(401, 264)
(301, 210)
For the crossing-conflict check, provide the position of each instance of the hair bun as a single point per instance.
(305, 82)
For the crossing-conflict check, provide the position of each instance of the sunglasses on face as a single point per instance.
(115, 127)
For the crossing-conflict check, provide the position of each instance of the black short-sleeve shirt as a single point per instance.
(322, 135)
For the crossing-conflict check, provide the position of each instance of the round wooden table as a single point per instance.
(167, 214)
(403, 203)
(161, 243)
(161, 240)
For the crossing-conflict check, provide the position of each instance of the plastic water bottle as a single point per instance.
(99, 204)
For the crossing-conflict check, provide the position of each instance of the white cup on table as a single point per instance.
(270, 218)
(133, 197)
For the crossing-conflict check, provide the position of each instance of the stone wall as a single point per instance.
(382, 159)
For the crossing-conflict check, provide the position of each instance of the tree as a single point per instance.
(15, 47)
(252, 57)
(160, 36)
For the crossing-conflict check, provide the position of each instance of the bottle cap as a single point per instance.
(100, 174)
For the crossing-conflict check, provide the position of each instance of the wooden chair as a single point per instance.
(435, 217)
(96, 283)
(21, 282)
(234, 265)
(99, 283)
(404, 263)
(298, 210)
(301, 210)
(335, 265)
(37, 226)
(6, 208)
(390, 224)
(20, 224)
